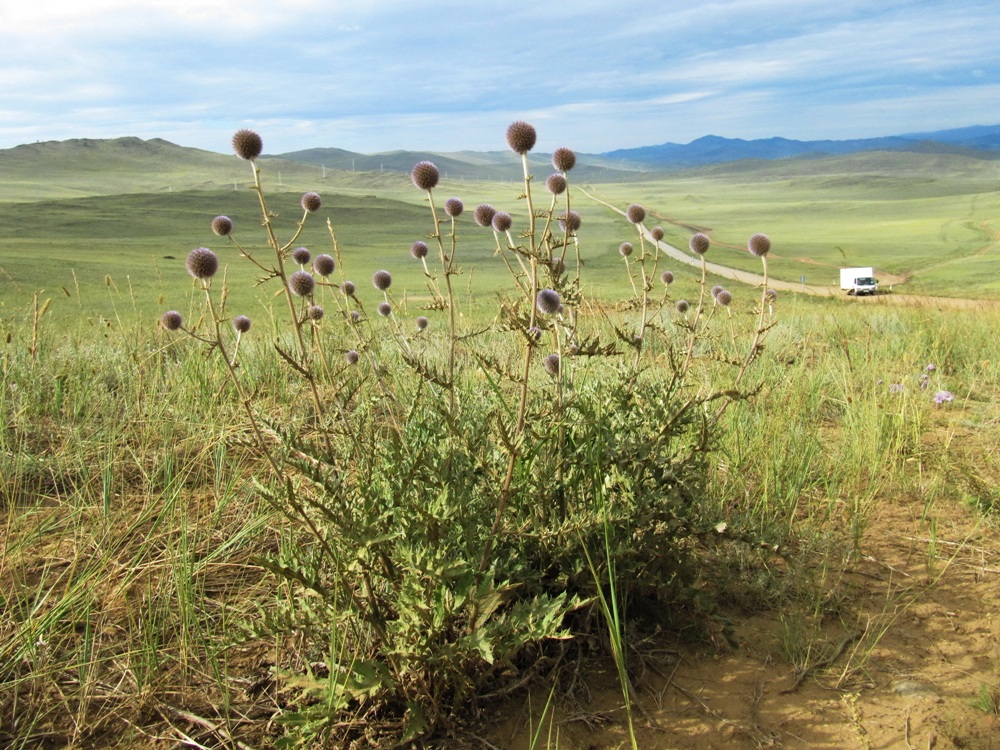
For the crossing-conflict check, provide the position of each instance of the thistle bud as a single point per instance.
(425, 175)
(247, 144)
(311, 202)
(202, 263)
(171, 320)
(521, 137)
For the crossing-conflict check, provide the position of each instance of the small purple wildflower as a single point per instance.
(895, 387)
(942, 397)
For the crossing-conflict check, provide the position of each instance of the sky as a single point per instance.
(437, 75)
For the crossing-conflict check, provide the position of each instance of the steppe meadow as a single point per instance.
(490, 456)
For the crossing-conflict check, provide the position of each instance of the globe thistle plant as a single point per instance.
(625, 249)
(301, 255)
(715, 290)
(202, 263)
(422, 323)
(241, 324)
(454, 207)
(563, 159)
(682, 306)
(483, 214)
(425, 175)
(348, 288)
(521, 137)
(570, 222)
(382, 280)
(222, 226)
(419, 249)
(301, 283)
(315, 313)
(635, 213)
(502, 221)
(548, 301)
(311, 202)
(552, 364)
(759, 245)
(667, 277)
(247, 144)
(351, 356)
(171, 320)
(556, 184)
(724, 297)
(324, 265)
(656, 233)
(699, 243)
(384, 309)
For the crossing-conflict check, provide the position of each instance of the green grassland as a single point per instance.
(929, 218)
(174, 542)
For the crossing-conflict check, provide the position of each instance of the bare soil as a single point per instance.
(902, 670)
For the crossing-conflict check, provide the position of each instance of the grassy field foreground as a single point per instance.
(380, 512)
(129, 565)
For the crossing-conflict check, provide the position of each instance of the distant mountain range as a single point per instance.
(84, 166)
(978, 141)
(982, 142)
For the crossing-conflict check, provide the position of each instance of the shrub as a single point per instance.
(463, 501)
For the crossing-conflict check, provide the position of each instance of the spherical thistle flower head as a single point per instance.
(557, 266)
(382, 280)
(570, 222)
(724, 297)
(656, 233)
(171, 320)
(635, 213)
(425, 175)
(222, 226)
(311, 202)
(351, 357)
(484, 214)
(895, 387)
(301, 283)
(556, 184)
(419, 249)
(502, 221)
(301, 255)
(548, 301)
(241, 324)
(682, 306)
(384, 309)
(699, 243)
(759, 245)
(625, 249)
(202, 263)
(521, 137)
(355, 316)
(535, 333)
(324, 265)
(347, 288)
(563, 159)
(315, 312)
(667, 278)
(715, 290)
(422, 323)
(770, 295)
(551, 363)
(454, 207)
(247, 144)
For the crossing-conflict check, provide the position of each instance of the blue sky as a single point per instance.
(595, 75)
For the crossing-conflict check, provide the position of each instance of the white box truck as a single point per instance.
(858, 281)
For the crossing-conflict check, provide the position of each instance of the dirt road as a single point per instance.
(757, 280)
